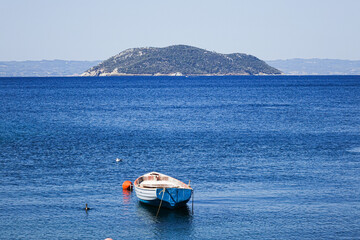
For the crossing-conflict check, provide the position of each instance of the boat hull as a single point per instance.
(156, 203)
(168, 197)
(173, 197)
(145, 194)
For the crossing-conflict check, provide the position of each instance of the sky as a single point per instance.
(97, 30)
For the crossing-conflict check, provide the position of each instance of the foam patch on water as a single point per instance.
(354, 150)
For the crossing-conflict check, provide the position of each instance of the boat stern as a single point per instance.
(173, 197)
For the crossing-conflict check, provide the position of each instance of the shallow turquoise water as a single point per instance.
(268, 157)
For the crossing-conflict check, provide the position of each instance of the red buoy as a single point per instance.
(127, 185)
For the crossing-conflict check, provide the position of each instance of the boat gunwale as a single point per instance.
(138, 185)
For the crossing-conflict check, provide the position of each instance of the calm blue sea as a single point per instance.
(269, 157)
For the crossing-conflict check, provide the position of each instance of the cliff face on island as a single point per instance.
(179, 60)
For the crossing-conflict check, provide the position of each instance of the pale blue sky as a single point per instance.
(96, 30)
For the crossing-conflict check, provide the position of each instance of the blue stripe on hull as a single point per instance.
(171, 198)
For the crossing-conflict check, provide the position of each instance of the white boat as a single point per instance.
(159, 189)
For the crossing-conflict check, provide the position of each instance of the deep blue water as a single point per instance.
(269, 157)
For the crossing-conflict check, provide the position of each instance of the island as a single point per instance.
(179, 60)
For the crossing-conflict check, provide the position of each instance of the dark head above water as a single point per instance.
(86, 207)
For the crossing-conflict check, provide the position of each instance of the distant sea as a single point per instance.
(269, 157)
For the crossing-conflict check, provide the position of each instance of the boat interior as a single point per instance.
(156, 180)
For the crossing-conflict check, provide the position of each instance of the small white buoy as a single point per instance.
(118, 159)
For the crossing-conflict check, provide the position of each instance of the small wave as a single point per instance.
(354, 150)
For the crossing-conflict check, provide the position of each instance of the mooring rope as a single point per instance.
(192, 202)
(160, 202)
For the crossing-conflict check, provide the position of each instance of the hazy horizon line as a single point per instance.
(97, 60)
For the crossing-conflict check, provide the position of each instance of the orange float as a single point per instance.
(127, 185)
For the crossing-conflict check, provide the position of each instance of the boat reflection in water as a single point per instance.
(149, 212)
(168, 224)
(126, 196)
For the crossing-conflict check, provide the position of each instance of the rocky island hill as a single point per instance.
(179, 60)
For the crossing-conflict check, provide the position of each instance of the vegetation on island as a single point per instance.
(180, 60)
